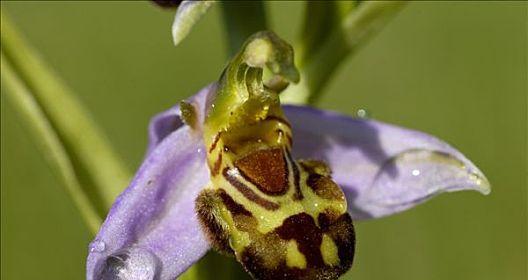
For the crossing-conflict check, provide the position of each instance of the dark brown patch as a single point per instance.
(215, 141)
(218, 163)
(206, 207)
(302, 228)
(296, 177)
(266, 169)
(253, 262)
(168, 3)
(248, 193)
(326, 219)
(242, 218)
(324, 187)
(342, 232)
(233, 206)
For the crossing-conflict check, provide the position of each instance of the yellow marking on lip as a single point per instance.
(329, 251)
(238, 239)
(294, 258)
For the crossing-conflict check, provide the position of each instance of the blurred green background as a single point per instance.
(455, 70)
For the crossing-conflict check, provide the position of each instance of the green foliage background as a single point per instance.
(455, 70)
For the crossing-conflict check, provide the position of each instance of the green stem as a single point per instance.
(96, 166)
(242, 19)
(321, 17)
(318, 64)
(48, 142)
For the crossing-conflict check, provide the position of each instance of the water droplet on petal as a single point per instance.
(131, 264)
(97, 246)
(476, 178)
(415, 172)
(363, 113)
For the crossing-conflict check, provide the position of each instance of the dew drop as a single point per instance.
(475, 178)
(415, 172)
(97, 246)
(131, 264)
(362, 113)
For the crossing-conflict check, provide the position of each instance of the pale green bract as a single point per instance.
(188, 14)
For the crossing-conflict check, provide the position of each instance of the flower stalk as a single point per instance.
(80, 151)
(49, 143)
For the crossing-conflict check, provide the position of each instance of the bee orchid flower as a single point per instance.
(154, 232)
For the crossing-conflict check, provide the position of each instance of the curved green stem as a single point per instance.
(48, 142)
(95, 165)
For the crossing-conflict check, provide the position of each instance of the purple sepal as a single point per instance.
(383, 169)
(151, 231)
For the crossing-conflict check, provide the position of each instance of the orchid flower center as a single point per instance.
(280, 218)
